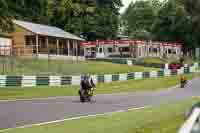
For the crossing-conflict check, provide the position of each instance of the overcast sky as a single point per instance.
(126, 3)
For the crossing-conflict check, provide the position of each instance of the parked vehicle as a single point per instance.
(174, 66)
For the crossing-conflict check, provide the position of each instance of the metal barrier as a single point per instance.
(192, 124)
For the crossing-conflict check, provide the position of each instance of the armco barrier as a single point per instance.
(192, 123)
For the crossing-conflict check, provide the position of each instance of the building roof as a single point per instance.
(46, 30)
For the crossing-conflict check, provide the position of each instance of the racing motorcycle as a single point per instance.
(183, 81)
(86, 95)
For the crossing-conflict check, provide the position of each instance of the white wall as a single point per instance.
(5, 42)
(5, 46)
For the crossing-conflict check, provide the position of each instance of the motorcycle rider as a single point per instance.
(84, 84)
(86, 87)
(183, 81)
(92, 84)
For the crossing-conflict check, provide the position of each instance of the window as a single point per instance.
(155, 50)
(28, 41)
(174, 51)
(125, 49)
(43, 43)
(110, 50)
(169, 51)
(93, 49)
(100, 50)
(52, 41)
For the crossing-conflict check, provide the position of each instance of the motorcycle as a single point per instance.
(86, 95)
(183, 83)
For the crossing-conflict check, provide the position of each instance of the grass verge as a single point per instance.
(159, 60)
(169, 118)
(45, 67)
(154, 60)
(106, 88)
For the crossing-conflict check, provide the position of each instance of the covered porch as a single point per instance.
(46, 45)
(38, 39)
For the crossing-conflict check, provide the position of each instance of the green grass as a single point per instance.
(189, 60)
(114, 87)
(159, 60)
(166, 118)
(154, 60)
(57, 67)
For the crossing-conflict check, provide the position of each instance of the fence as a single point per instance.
(22, 61)
(5, 50)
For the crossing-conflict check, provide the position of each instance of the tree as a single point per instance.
(172, 24)
(75, 16)
(5, 17)
(141, 35)
(140, 16)
(29, 10)
(106, 18)
(192, 8)
(109, 3)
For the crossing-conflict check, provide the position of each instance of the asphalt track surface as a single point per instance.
(25, 112)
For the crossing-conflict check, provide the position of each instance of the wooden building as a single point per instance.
(5, 45)
(36, 39)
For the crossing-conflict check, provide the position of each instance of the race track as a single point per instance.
(25, 112)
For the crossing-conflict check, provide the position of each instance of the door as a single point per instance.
(100, 52)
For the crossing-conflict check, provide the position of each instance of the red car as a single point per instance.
(174, 66)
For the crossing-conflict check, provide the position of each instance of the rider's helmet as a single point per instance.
(183, 77)
(84, 77)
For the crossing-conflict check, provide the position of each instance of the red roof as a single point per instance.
(122, 42)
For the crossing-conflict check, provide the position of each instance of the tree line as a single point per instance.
(168, 20)
(97, 18)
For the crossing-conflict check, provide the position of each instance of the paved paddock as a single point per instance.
(25, 112)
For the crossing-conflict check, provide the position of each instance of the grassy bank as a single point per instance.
(34, 66)
(168, 119)
(114, 87)
(154, 60)
(187, 60)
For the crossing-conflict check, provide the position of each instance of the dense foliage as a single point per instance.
(99, 17)
(171, 20)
